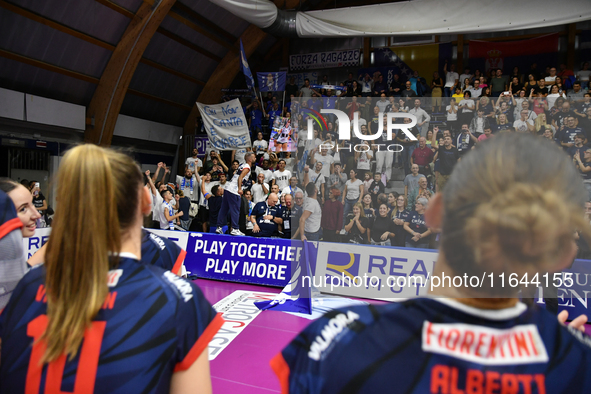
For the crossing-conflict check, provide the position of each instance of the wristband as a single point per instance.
(205, 195)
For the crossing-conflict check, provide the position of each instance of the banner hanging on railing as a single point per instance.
(329, 59)
(225, 125)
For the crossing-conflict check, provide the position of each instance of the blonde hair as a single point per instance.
(360, 206)
(539, 123)
(507, 211)
(83, 235)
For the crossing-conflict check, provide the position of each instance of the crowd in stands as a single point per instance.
(324, 190)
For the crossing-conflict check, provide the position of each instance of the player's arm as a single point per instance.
(197, 376)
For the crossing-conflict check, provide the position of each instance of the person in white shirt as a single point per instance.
(259, 190)
(232, 199)
(293, 188)
(524, 125)
(475, 90)
(422, 116)
(451, 79)
(206, 185)
(281, 176)
(583, 75)
(552, 77)
(193, 163)
(316, 178)
(464, 76)
(352, 194)
(324, 158)
(238, 154)
(451, 112)
(168, 216)
(190, 184)
(260, 146)
(309, 228)
(265, 171)
(382, 103)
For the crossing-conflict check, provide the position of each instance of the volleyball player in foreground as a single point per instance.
(92, 319)
(511, 206)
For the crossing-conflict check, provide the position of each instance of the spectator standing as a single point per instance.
(320, 154)
(193, 163)
(40, 203)
(383, 228)
(337, 178)
(479, 123)
(357, 225)
(215, 203)
(292, 189)
(448, 157)
(363, 158)
(206, 185)
(499, 83)
(352, 194)
(399, 215)
(286, 216)
(422, 156)
(420, 192)
(415, 226)
(281, 176)
(309, 228)
(266, 217)
(367, 181)
(466, 108)
(422, 116)
(168, 219)
(255, 121)
(411, 181)
(332, 216)
(232, 198)
(396, 86)
(296, 213)
(317, 179)
(380, 86)
(583, 75)
(451, 112)
(305, 90)
(291, 89)
(436, 92)
(184, 205)
(190, 184)
(465, 140)
(584, 167)
(476, 90)
(376, 188)
(366, 85)
(451, 79)
(259, 190)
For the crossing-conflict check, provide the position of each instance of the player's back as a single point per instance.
(151, 325)
(431, 346)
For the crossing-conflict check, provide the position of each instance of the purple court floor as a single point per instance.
(243, 367)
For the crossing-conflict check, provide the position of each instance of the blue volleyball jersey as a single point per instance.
(153, 323)
(435, 346)
(161, 252)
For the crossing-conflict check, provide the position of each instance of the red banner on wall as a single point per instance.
(496, 52)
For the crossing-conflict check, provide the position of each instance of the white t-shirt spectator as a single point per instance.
(258, 195)
(521, 125)
(268, 174)
(550, 80)
(364, 160)
(232, 184)
(312, 223)
(156, 204)
(290, 164)
(239, 155)
(382, 104)
(468, 103)
(190, 187)
(207, 187)
(282, 178)
(450, 78)
(291, 190)
(583, 75)
(453, 115)
(326, 162)
(259, 146)
(462, 78)
(353, 189)
(162, 218)
(193, 163)
(317, 179)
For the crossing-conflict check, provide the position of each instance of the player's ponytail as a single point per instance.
(512, 206)
(98, 199)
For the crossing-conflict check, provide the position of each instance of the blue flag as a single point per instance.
(246, 70)
(297, 294)
(272, 82)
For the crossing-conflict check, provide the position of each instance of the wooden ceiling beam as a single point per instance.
(204, 21)
(109, 95)
(82, 77)
(188, 44)
(92, 40)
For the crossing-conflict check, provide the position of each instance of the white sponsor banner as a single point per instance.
(238, 310)
(226, 125)
(34, 243)
(328, 59)
(373, 272)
